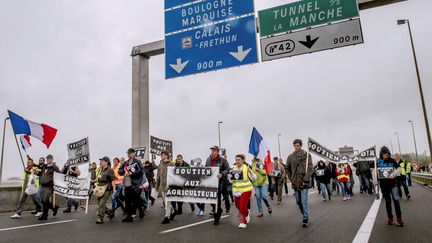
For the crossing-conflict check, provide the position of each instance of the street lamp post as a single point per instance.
(415, 143)
(2, 150)
(219, 132)
(397, 136)
(406, 21)
(280, 154)
(391, 144)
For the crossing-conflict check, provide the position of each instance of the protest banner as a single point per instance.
(321, 151)
(71, 187)
(194, 185)
(367, 154)
(158, 145)
(140, 152)
(79, 152)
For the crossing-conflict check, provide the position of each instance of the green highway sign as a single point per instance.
(304, 14)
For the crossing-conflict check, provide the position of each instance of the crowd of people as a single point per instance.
(132, 186)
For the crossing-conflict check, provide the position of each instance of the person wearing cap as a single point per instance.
(47, 187)
(132, 170)
(105, 178)
(73, 171)
(215, 160)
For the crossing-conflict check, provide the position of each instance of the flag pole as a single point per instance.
(87, 205)
(19, 150)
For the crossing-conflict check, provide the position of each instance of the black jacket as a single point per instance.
(136, 168)
(47, 175)
(325, 178)
(223, 169)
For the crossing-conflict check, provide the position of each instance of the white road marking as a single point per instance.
(191, 225)
(365, 231)
(38, 225)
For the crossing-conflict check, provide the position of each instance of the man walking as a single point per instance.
(215, 160)
(132, 170)
(299, 165)
(162, 186)
(29, 172)
(47, 187)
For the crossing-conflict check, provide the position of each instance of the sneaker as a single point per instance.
(16, 216)
(260, 215)
(134, 215)
(325, 199)
(270, 210)
(408, 197)
(166, 220)
(242, 226)
(99, 221)
(201, 213)
(38, 214)
(344, 199)
(390, 221)
(55, 210)
(305, 223)
(35, 212)
(349, 197)
(400, 222)
(76, 205)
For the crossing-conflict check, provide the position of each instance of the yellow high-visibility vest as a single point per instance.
(243, 185)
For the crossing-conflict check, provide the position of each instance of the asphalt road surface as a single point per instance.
(331, 221)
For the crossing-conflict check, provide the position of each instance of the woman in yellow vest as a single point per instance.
(242, 188)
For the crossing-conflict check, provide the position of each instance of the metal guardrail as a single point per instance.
(423, 178)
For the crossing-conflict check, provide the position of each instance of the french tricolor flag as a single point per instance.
(259, 149)
(43, 132)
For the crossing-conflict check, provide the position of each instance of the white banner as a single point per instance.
(71, 187)
(194, 185)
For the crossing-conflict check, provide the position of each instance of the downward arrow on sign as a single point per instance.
(179, 66)
(309, 42)
(240, 54)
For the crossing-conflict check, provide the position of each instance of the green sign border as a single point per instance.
(302, 12)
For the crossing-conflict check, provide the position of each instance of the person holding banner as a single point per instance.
(132, 170)
(73, 171)
(29, 189)
(47, 187)
(178, 206)
(343, 172)
(388, 170)
(162, 186)
(105, 186)
(215, 160)
(242, 188)
(260, 186)
(300, 168)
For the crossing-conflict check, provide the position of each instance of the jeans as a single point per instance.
(115, 199)
(23, 198)
(408, 176)
(270, 187)
(242, 203)
(345, 188)
(70, 202)
(261, 195)
(364, 181)
(302, 202)
(325, 187)
(401, 181)
(144, 199)
(389, 194)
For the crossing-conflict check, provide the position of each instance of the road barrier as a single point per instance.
(423, 178)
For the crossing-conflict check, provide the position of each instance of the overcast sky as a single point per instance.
(68, 64)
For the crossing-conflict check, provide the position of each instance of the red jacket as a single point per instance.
(343, 172)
